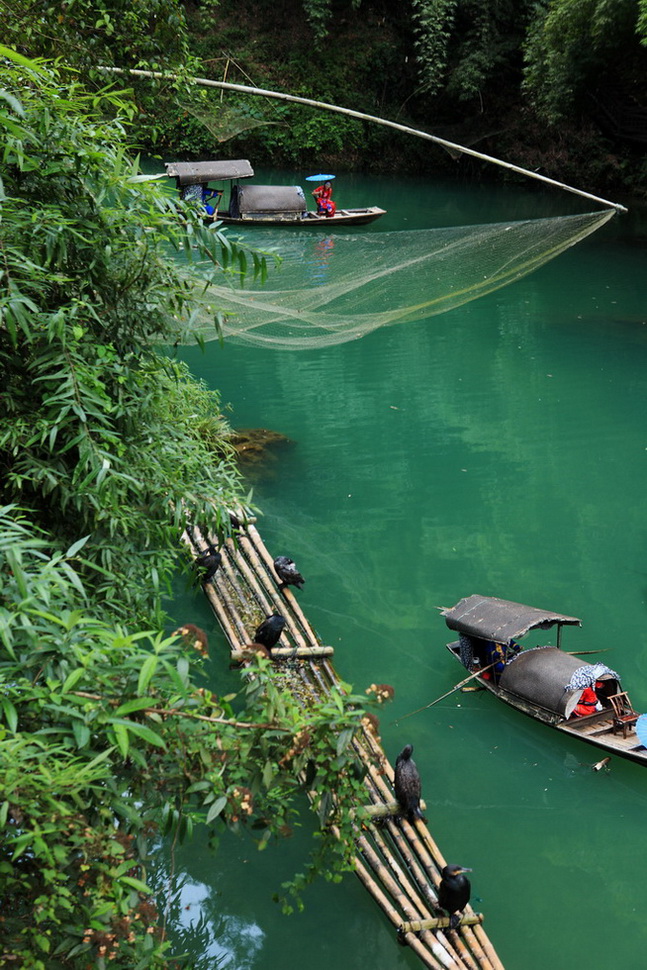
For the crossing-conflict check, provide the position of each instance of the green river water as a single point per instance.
(501, 449)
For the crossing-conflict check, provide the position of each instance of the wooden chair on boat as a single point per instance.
(624, 716)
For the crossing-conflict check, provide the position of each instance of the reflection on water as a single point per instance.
(319, 265)
(501, 451)
(219, 940)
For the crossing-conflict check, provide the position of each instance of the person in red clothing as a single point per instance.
(587, 703)
(325, 204)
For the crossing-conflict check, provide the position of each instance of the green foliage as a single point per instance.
(318, 14)
(86, 33)
(641, 26)
(570, 45)
(93, 431)
(91, 34)
(464, 45)
(107, 743)
(434, 21)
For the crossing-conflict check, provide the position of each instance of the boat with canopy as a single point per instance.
(371, 279)
(543, 682)
(255, 205)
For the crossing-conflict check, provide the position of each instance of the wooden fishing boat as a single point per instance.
(255, 205)
(544, 682)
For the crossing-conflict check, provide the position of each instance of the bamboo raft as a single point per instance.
(398, 862)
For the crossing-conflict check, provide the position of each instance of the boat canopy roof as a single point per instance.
(192, 173)
(490, 618)
(270, 198)
(544, 675)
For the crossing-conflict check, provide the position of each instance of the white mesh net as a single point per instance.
(339, 287)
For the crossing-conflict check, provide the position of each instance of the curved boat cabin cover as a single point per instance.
(543, 675)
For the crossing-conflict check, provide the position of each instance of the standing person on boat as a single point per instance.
(325, 204)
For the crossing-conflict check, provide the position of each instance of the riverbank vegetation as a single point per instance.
(110, 738)
(555, 86)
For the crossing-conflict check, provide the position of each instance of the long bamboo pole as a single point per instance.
(477, 673)
(361, 116)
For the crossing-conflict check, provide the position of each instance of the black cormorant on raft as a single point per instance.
(454, 892)
(407, 785)
(399, 864)
(269, 631)
(207, 563)
(287, 572)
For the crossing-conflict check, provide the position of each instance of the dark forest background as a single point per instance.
(555, 86)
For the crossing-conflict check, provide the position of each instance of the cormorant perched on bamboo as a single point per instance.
(454, 893)
(407, 785)
(208, 562)
(288, 572)
(269, 631)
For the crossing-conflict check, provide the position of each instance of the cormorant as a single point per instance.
(288, 572)
(208, 562)
(407, 785)
(269, 631)
(454, 892)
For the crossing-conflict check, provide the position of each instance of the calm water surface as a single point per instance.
(501, 449)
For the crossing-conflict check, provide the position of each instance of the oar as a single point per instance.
(578, 653)
(477, 673)
(586, 653)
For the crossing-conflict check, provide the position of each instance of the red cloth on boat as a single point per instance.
(325, 204)
(586, 704)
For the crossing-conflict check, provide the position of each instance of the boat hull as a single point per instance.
(595, 729)
(343, 217)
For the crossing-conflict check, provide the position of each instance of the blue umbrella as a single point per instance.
(319, 178)
(641, 729)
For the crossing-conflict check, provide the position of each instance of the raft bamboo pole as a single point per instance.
(414, 926)
(428, 852)
(286, 653)
(429, 959)
(430, 860)
(397, 862)
(374, 119)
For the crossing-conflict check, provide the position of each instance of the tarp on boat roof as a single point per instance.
(192, 173)
(541, 676)
(253, 199)
(490, 618)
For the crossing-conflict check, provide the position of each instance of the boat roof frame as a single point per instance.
(490, 618)
(194, 173)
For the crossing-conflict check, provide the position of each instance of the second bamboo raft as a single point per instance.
(398, 862)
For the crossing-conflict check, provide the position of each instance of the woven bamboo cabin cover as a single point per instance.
(489, 618)
(194, 173)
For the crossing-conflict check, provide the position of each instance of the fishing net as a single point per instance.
(340, 286)
(225, 122)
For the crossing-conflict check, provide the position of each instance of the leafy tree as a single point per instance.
(107, 743)
(86, 33)
(89, 436)
(573, 44)
(463, 46)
